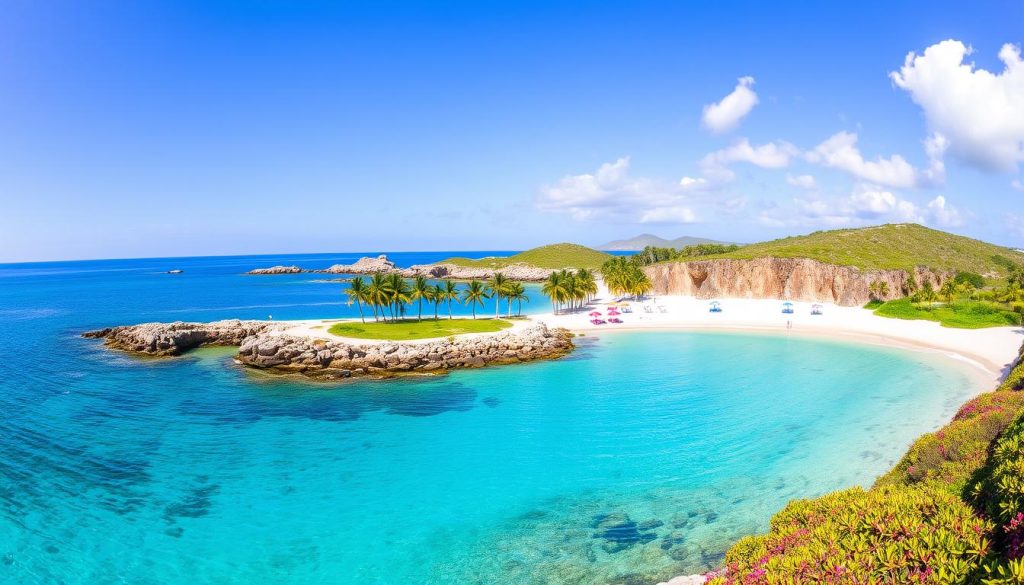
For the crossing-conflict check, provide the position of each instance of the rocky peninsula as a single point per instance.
(382, 264)
(796, 279)
(266, 345)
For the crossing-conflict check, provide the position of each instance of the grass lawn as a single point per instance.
(958, 314)
(411, 329)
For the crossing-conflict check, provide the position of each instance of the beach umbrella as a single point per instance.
(595, 313)
(787, 304)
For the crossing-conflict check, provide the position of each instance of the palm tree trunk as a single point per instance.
(474, 309)
(360, 307)
(449, 309)
(420, 316)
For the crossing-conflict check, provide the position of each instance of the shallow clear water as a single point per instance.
(638, 457)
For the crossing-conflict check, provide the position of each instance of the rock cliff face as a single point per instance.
(797, 279)
(381, 264)
(167, 339)
(262, 345)
(337, 359)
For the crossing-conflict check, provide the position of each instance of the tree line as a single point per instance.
(388, 295)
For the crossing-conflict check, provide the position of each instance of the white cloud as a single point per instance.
(802, 181)
(1017, 185)
(669, 215)
(942, 214)
(726, 115)
(867, 204)
(980, 113)
(840, 152)
(611, 193)
(772, 155)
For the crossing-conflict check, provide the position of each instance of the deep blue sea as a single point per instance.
(115, 469)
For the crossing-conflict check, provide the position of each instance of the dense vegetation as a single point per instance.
(570, 289)
(554, 256)
(891, 246)
(959, 303)
(653, 254)
(623, 276)
(390, 294)
(951, 511)
(409, 330)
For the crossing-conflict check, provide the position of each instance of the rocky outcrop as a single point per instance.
(338, 359)
(797, 279)
(276, 270)
(168, 339)
(364, 265)
(523, 272)
(262, 345)
(367, 265)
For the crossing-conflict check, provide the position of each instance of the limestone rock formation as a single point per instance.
(263, 345)
(167, 339)
(367, 265)
(276, 270)
(340, 359)
(797, 279)
(364, 265)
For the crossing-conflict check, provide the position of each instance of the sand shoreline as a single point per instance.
(990, 352)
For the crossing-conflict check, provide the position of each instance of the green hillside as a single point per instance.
(889, 246)
(550, 256)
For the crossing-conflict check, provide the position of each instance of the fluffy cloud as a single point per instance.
(726, 115)
(802, 181)
(942, 214)
(980, 113)
(1017, 185)
(840, 152)
(772, 155)
(610, 192)
(676, 214)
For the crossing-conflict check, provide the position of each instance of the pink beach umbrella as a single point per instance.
(595, 313)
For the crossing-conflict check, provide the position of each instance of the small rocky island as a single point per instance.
(382, 264)
(266, 345)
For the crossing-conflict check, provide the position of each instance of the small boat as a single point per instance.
(175, 271)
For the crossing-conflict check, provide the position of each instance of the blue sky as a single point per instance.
(180, 128)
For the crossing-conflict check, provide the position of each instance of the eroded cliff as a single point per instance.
(797, 279)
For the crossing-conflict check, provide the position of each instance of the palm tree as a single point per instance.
(451, 293)
(357, 292)
(437, 297)
(948, 290)
(554, 289)
(497, 287)
(517, 293)
(474, 294)
(376, 294)
(588, 284)
(420, 292)
(398, 293)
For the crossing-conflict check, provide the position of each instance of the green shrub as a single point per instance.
(975, 280)
(887, 535)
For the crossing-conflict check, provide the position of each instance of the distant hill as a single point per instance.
(643, 240)
(550, 256)
(902, 246)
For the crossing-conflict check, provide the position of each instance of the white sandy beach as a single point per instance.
(992, 350)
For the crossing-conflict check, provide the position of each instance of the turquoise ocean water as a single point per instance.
(640, 456)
